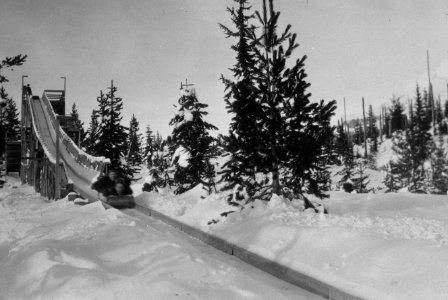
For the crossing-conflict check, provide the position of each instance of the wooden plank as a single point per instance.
(57, 187)
(143, 209)
(166, 219)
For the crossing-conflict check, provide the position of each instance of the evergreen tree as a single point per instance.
(387, 121)
(78, 123)
(191, 143)
(439, 163)
(402, 169)
(358, 136)
(390, 180)
(420, 126)
(10, 124)
(7, 105)
(443, 127)
(91, 142)
(159, 166)
(438, 112)
(241, 102)
(348, 170)
(414, 147)
(372, 133)
(278, 138)
(445, 112)
(112, 136)
(91, 137)
(134, 144)
(360, 178)
(149, 148)
(9, 63)
(294, 130)
(161, 156)
(342, 146)
(397, 116)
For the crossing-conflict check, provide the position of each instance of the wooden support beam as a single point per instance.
(57, 166)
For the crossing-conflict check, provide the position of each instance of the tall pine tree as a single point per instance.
(397, 117)
(294, 131)
(241, 102)
(413, 148)
(420, 125)
(10, 125)
(372, 133)
(112, 136)
(134, 144)
(8, 63)
(78, 123)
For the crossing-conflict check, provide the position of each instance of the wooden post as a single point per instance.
(365, 135)
(57, 166)
(24, 138)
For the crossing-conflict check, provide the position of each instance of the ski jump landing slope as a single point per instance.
(80, 168)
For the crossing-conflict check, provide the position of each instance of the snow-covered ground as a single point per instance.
(374, 245)
(58, 250)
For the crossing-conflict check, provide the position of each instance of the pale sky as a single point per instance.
(355, 48)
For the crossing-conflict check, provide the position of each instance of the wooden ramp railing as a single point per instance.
(44, 143)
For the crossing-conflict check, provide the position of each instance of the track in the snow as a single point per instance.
(288, 290)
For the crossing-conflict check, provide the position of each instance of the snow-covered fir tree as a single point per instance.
(360, 178)
(439, 164)
(159, 172)
(91, 142)
(358, 135)
(401, 170)
(413, 148)
(373, 131)
(112, 136)
(191, 143)
(421, 139)
(341, 145)
(397, 116)
(91, 137)
(149, 148)
(78, 123)
(347, 172)
(134, 145)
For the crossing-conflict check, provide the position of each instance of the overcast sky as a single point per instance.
(355, 48)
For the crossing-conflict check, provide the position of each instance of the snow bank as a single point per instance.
(379, 245)
(58, 250)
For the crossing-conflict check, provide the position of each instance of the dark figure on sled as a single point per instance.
(115, 189)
